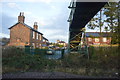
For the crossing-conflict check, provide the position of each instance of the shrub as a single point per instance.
(12, 52)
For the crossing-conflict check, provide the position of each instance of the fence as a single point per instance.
(31, 50)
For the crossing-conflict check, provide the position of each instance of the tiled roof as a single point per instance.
(26, 26)
(45, 38)
(97, 34)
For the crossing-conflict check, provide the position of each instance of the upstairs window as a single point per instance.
(40, 37)
(37, 35)
(33, 35)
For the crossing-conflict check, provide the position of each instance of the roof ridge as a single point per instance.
(97, 32)
(26, 26)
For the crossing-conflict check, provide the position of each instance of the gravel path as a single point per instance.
(46, 75)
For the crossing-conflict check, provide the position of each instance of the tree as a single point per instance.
(97, 22)
(111, 13)
(93, 23)
(110, 21)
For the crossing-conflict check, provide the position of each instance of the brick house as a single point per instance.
(22, 34)
(93, 38)
(62, 43)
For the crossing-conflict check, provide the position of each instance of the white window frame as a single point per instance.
(37, 35)
(97, 40)
(89, 39)
(33, 35)
(104, 39)
(33, 44)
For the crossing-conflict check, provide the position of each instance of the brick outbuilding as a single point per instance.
(93, 38)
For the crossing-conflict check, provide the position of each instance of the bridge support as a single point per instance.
(74, 40)
(77, 42)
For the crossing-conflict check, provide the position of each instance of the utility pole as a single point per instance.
(100, 25)
(119, 23)
(100, 20)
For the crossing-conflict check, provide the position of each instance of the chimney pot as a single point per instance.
(35, 26)
(21, 17)
(35, 23)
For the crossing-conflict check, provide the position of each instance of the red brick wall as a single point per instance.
(19, 35)
(36, 41)
(100, 41)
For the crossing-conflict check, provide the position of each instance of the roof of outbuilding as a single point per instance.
(26, 26)
(97, 34)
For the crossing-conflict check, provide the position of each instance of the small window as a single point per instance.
(33, 44)
(89, 39)
(40, 45)
(96, 39)
(104, 39)
(40, 37)
(37, 35)
(33, 35)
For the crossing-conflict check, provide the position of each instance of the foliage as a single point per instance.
(12, 51)
(40, 51)
(15, 60)
(109, 21)
(93, 23)
(103, 62)
(112, 20)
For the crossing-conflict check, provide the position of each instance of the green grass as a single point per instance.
(16, 60)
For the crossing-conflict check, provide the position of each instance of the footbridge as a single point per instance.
(81, 13)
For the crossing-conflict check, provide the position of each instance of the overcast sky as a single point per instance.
(51, 15)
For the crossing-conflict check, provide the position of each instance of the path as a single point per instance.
(48, 75)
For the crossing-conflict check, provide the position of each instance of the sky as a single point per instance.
(51, 16)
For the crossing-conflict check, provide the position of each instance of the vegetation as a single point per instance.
(102, 62)
(111, 13)
(108, 19)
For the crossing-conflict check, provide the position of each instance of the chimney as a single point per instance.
(21, 17)
(35, 26)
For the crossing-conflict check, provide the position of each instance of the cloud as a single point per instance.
(52, 22)
(45, 1)
(13, 5)
(4, 35)
(27, 12)
(40, 21)
(54, 34)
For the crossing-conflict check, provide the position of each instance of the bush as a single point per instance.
(12, 52)
(40, 51)
(14, 59)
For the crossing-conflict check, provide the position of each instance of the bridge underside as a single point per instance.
(81, 14)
